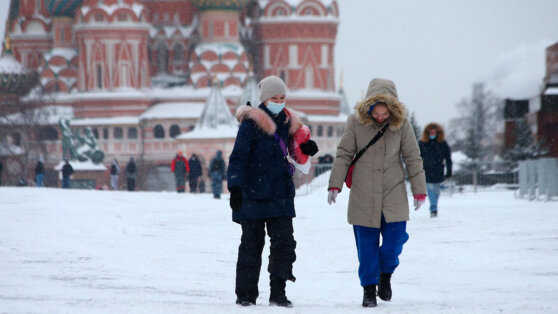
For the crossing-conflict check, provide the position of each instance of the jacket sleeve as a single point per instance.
(346, 150)
(239, 158)
(411, 156)
(447, 156)
(173, 164)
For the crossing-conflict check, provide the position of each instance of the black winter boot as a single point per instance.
(369, 299)
(245, 302)
(384, 288)
(277, 295)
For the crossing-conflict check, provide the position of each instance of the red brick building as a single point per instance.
(139, 72)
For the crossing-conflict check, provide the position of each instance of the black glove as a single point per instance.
(309, 148)
(236, 198)
(448, 174)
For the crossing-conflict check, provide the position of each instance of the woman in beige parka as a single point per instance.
(378, 202)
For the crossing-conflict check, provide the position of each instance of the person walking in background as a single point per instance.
(378, 202)
(436, 154)
(260, 180)
(67, 171)
(131, 172)
(39, 173)
(195, 173)
(217, 173)
(114, 172)
(180, 168)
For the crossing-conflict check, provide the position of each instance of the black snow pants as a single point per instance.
(281, 257)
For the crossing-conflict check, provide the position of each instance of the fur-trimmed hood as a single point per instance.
(384, 91)
(265, 122)
(440, 135)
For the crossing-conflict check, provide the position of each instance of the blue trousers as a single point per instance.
(66, 182)
(39, 179)
(433, 190)
(374, 258)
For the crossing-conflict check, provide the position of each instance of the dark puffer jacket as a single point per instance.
(256, 164)
(434, 155)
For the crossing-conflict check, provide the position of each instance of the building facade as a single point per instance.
(139, 72)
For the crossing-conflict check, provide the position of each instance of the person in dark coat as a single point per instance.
(131, 173)
(67, 171)
(262, 192)
(217, 173)
(1, 168)
(435, 154)
(195, 172)
(39, 173)
(180, 168)
(114, 173)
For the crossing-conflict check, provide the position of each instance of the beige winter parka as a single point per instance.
(378, 178)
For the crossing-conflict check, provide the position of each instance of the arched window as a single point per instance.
(132, 133)
(330, 131)
(174, 131)
(320, 131)
(159, 131)
(162, 57)
(118, 133)
(178, 52)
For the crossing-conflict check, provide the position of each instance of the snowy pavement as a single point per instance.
(72, 251)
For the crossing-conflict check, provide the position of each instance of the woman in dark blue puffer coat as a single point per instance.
(435, 154)
(262, 192)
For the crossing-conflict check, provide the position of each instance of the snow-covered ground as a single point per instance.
(72, 251)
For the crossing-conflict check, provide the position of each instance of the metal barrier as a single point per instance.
(317, 178)
(470, 176)
(538, 179)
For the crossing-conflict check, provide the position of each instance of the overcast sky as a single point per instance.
(435, 50)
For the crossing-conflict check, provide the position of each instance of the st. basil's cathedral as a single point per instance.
(152, 77)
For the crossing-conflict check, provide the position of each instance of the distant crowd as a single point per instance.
(184, 170)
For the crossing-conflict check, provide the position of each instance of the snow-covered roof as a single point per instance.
(179, 110)
(181, 92)
(220, 48)
(222, 131)
(295, 3)
(8, 64)
(216, 120)
(9, 150)
(551, 91)
(47, 115)
(298, 19)
(316, 118)
(82, 166)
(66, 53)
(126, 120)
(313, 93)
(135, 7)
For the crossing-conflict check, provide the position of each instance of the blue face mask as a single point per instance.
(275, 108)
(432, 137)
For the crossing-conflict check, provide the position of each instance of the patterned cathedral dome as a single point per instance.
(62, 7)
(210, 5)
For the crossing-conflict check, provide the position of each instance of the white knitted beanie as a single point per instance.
(271, 86)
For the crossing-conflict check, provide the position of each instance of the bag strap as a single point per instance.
(372, 141)
(281, 144)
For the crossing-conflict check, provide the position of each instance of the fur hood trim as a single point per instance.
(265, 122)
(440, 137)
(398, 112)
